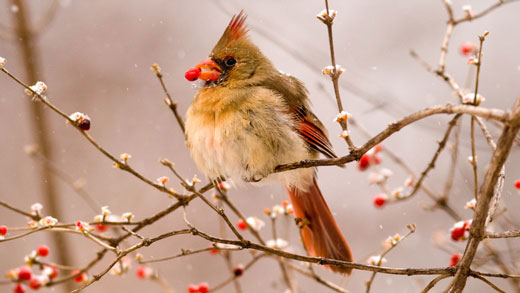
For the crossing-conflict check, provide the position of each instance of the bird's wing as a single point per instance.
(308, 126)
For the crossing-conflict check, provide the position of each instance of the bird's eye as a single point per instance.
(230, 61)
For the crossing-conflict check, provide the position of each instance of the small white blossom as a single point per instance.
(124, 157)
(77, 116)
(470, 205)
(48, 221)
(277, 243)
(195, 179)
(289, 209)
(121, 267)
(376, 260)
(128, 216)
(12, 275)
(342, 116)
(473, 60)
(467, 11)
(398, 192)
(277, 210)
(32, 224)
(409, 182)
(392, 240)
(36, 207)
(98, 218)
(255, 223)
(470, 159)
(41, 279)
(329, 70)
(3, 61)
(375, 178)
(105, 211)
(224, 186)
(39, 87)
(470, 99)
(29, 259)
(47, 271)
(385, 172)
(83, 227)
(162, 180)
(323, 15)
(344, 134)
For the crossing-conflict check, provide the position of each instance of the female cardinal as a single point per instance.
(249, 118)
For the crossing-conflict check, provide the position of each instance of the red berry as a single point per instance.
(238, 270)
(364, 162)
(241, 225)
(193, 288)
(203, 287)
(377, 160)
(455, 258)
(378, 148)
(54, 273)
(468, 48)
(43, 250)
(84, 124)
(457, 233)
(3, 230)
(101, 228)
(35, 283)
(19, 288)
(285, 203)
(141, 272)
(79, 278)
(192, 74)
(380, 200)
(24, 273)
(517, 186)
(214, 251)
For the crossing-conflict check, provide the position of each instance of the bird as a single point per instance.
(247, 118)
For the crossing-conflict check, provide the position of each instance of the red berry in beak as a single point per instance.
(192, 74)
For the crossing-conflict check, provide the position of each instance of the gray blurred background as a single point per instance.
(95, 57)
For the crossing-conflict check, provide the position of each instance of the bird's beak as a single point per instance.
(208, 70)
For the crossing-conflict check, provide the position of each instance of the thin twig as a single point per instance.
(395, 127)
(328, 21)
(477, 229)
(392, 245)
(434, 282)
(489, 283)
(168, 100)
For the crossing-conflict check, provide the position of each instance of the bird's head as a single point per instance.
(234, 61)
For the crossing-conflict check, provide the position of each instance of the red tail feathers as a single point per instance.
(321, 234)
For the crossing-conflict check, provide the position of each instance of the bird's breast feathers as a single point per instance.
(244, 135)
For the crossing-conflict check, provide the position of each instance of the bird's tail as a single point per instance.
(320, 232)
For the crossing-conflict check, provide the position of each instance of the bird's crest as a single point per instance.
(236, 27)
(235, 30)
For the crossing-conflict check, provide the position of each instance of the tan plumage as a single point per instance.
(249, 118)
